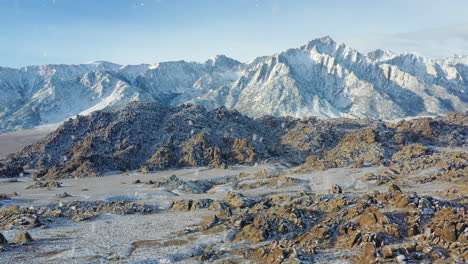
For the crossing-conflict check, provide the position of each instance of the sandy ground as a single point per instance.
(13, 141)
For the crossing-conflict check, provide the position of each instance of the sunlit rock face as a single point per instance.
(322, 78)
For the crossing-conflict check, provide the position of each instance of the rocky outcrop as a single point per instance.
(375, 228)
(152, 136)
(448, 225)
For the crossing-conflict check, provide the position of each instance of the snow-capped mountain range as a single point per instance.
(322, 78)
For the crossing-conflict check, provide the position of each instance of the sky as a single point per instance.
(149, 31)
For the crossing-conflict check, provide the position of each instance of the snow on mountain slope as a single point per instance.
(322, 78)
(327, 79)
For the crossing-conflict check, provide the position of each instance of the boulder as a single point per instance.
(372, 218)
(368, 254)
(23, 237)
(387, 252)
(336, 189)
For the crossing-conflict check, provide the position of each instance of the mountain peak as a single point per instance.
(322, 44)
(380, 55)
(326, 39)
(222, 61)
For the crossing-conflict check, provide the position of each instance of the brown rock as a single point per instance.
(23, 237)
(394, 189)
(252, 233)
(410, 152)
(400, 201)
(358, 164)
(413, 230)
(387, 252)
(14, 209)
(368, 254)
(183, 205)
(314, 162)
(320, 231)
(448, 232)
(237, 200)
(80, 218)
(145, 169)
(217, 206)
(427, 249)
(336, 189)
(372, 218)
(45, 185)
(448, 225)
(276, 254)
(243, 151)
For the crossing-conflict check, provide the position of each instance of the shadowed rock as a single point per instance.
(3, 240)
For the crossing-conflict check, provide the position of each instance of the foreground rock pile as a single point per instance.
(382, 227)
(150, 136)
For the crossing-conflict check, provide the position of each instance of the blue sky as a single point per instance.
(149, 31)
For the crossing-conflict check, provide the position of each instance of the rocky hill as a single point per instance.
(322, 78)
(152, 136)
